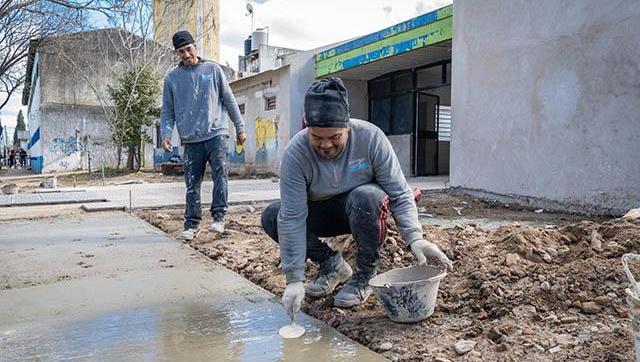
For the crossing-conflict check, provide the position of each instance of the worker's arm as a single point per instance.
(389, 176)
(167, 116)
(292, 218)
(229, 101)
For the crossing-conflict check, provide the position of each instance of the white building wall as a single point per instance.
(33, 120)
(267, 130)
(546, 101)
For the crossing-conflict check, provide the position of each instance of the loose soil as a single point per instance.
(540, 287)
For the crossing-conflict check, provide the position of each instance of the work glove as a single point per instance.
(292, 298)
(423, 249)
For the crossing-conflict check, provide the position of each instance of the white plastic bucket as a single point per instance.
(408, 295)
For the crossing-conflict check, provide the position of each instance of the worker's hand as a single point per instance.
(292, 298)
(241, 138)
(423, 249)
(166, 144)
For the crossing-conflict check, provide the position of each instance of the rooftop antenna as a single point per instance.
(250, 10)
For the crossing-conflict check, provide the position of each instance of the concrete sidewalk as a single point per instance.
(111, 287)
(172, 194)
(240, 191)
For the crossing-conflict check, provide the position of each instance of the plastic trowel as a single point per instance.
(292, 330)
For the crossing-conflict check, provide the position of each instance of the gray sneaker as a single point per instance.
(189, 234)
(354, 292)
(333, 271)
(217, 226)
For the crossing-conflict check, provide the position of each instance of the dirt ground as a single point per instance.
(539, 286)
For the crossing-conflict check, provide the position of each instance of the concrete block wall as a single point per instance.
(60, 141)
(546, 101)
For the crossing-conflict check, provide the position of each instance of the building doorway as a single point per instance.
(425, 135)
(413, 108)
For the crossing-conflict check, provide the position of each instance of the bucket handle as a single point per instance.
(627, 271)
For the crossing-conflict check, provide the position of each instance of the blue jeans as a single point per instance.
(361, 212)
(196, 156)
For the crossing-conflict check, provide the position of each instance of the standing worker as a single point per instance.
(196, 94)
(339, 176)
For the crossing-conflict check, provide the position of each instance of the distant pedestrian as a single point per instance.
(12, 158)
(23, 157)
(196, 94)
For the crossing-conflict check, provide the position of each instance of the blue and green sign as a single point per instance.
(425, 30)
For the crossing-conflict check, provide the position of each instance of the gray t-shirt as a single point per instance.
(304, 176)
(193, 99)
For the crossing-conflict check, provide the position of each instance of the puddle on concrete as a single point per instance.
(185, 332)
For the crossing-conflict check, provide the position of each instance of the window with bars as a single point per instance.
(270, 103)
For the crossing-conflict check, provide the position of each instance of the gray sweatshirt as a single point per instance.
(305, 176)
(193, 99)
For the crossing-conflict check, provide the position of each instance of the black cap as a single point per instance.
(182, 38)
(326, 105)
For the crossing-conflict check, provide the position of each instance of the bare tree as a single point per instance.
(126, 49)
(24, 20)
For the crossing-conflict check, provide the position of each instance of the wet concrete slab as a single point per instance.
(110, 287)
(51, 198)
(101, 206)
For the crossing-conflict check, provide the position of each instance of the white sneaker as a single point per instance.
(217, 227)
(189, 234)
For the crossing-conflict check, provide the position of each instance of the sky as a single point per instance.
(297, 24)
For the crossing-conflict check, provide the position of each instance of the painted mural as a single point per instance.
(427, 29)
(266, 131)
(236, 156)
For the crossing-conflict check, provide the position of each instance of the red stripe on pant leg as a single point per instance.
(384, 212)
(416, 194)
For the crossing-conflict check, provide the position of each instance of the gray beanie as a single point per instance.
(326, 105)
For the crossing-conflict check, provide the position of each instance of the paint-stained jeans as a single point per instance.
(361, 212)
(196, 156)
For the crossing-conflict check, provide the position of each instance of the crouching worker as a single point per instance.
(339, 176)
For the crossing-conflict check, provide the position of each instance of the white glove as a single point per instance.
(292, 298)
(423, 249)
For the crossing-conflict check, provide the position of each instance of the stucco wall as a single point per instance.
(267, 130)
(358, 98)
(73, 73)
(34, 119)
(69, 130)
(546, 101)
(302, 68)
(74, 67)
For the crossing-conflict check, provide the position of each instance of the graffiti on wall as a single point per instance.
(63, 154)
(236, 156)
(64, 146)
(266, 131)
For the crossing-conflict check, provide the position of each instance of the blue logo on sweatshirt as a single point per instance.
(207, 78)
(357, 165)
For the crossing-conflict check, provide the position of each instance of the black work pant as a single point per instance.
(361, 212)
